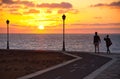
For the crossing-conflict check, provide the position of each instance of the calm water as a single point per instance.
(78, 42)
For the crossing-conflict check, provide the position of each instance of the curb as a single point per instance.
(51, 68)
(95, 73)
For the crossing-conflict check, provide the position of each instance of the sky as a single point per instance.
(45, 16)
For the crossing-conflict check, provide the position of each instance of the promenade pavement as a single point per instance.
(113, 71)
(76, 70)
(83, 68)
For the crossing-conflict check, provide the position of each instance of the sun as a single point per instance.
(41, 27)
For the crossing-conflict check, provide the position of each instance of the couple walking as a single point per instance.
(97, 40)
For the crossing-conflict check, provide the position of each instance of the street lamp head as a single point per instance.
(7, 21)
(63, 17)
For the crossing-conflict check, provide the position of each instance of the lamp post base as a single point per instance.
(63, 49)
(7, 48)
(7, 45)
(63, 46)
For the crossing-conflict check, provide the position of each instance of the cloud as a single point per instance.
(27, 3)
(55, 5)
(47, 20)
(32, 11)
(113, 4)
(99, 24)
(12, 6)
(0, 2)
(98, 5)
(49, 11)
(32, 4)
(62, 7)
(97, 17)
(73, 11)
(14, 11)
(7, 1)
(117, 4)
(62, 11)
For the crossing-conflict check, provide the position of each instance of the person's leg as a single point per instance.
(95, 48)
(107, 49)
(98, 48)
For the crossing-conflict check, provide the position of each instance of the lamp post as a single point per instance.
(7, 22)
(63, 17)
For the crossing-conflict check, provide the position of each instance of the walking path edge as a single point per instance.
(95, 73)
(53, 67)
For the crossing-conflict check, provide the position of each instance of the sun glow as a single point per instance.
(41, 27)
(45, 16)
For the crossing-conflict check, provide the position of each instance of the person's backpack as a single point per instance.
(108, 41)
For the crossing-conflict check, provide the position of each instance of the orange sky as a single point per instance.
(82, 16)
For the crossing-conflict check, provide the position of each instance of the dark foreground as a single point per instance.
(78, 69)
(113, 71)
(17, 63)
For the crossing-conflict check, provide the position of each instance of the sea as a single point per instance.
(73, 42)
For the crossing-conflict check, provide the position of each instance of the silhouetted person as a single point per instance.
(96, 42)
(108, 43)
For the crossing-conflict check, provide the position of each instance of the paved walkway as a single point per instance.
(113, 71)
(76, 70)
(82, 68)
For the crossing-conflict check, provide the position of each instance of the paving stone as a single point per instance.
(112, 72)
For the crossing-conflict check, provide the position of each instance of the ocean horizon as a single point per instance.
(73, 42)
